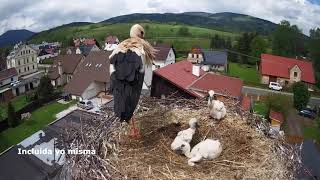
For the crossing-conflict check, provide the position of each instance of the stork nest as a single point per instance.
(247, 151)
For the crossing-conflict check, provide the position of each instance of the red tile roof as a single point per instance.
(223, 85)
(280, 66)
(89, 42)
(180, 74)
(277, 116)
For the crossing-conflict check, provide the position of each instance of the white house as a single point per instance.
(111, 42)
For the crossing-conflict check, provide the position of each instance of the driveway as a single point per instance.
(263, 92)
(297, 122)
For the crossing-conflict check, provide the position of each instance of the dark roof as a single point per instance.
(28, 166)
(280, 66)
(8, 73)
(163, 51)
(86, 49)
(214, 57)
(69, 64)
(95, 67)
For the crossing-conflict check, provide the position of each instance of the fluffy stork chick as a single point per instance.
(216, 107)
(208, 149)
(127, 68)
(185, 136)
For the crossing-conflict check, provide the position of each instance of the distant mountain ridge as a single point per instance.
(14, 36)
(226, 21)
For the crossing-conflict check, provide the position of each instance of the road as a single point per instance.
(261, 92)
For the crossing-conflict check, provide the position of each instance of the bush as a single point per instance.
(301, 95)
(45, 91)
(183, 31)
(280, 103)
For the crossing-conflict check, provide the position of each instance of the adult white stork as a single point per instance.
(127, 67)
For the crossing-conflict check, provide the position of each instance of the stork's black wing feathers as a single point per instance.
(126, 83)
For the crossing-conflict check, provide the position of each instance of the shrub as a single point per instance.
(13, 120)
(278, 102)
(301, 95)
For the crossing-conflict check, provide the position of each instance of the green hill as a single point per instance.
(161, 33)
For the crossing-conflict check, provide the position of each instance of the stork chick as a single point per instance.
(185, 136)
(216, 107)
(208, 149)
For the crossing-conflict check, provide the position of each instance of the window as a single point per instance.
(25, 69)
(28, 68)
(295, 74)
(19, 70)
(0, 83)
(11, 79)
(32, 66)
(27, 60)
(19, 62)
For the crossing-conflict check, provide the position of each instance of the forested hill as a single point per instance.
(226, 21)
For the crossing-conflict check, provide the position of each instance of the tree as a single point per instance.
(278, 102)
(314, 46)
(244, 45)
(257, 46)
(288, 40)
(183, 31)
(12, 117)
(301, 95)
(45, 90)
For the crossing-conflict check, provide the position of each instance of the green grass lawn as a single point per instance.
(247, 73)
(261, 108)
(311, 132)
(18, 103)
(39, 118)
(155, 32)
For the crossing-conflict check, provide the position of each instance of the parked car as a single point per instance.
(275, 86)
(307, 112)
(14, 83)
(85, 104)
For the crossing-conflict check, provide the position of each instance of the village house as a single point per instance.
(7, 76)
(23, 58)
(46, 50)
(110, 43)
(190, 81)
(210, 60)
(285, 70)
(276, 119)
(63, 68)
(86, 49)
(165, 55)
(91, 77)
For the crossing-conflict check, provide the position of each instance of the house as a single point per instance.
(46, 162)
(86, 49)
(110, 43)
(210, 60)
(23, 58)
(190, 81)
(215, 61)
(91, 77)
(6, 77)
(285, 70)
(46, 54)
(165, 55)
(276, 119)
(63, 68)
(46, 50)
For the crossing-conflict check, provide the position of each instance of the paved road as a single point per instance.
(259, 91)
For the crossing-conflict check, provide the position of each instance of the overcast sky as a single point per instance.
(38, 15)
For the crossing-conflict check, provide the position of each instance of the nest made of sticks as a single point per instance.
(247, 151)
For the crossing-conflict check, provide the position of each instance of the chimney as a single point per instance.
(196, 70)
(60, 69)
